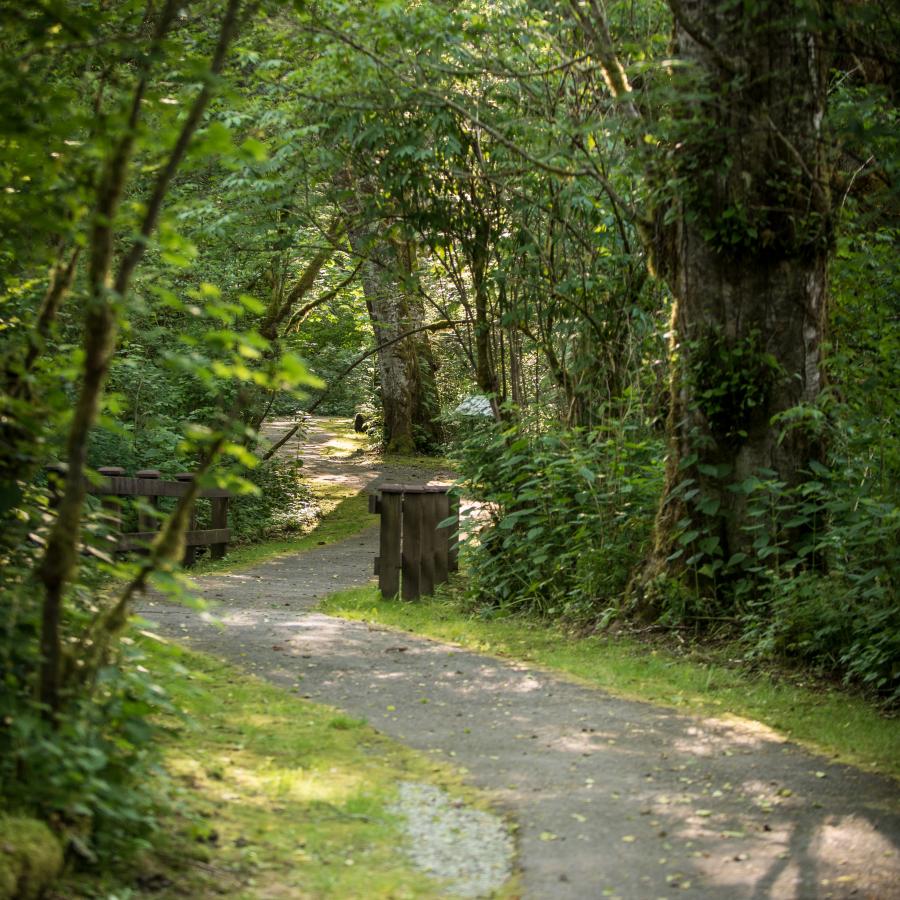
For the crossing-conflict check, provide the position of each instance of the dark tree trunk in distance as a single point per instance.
(406, 367)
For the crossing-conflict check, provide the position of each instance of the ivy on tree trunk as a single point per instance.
(744, 248)
(741, 233)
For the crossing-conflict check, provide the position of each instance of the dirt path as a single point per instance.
(611, 798)
(330, 459)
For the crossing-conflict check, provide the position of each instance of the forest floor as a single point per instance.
(607, 796)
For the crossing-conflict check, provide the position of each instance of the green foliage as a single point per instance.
(571, 514)
(94, 772)
(730, 380)
(280, 503)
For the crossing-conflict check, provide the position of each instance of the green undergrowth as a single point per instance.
(814, 714)
(274, 796)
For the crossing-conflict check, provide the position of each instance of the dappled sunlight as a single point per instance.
(383, 675)
(582, 742)
(715, 736)
(261, 720)
(719, 803)
(305, 786)
(342, 447)
(230, 578)
(262, 779)
(838, 837)
(525, 684)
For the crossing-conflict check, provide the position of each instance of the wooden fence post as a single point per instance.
(427, 569)
(415, 554)
(391, 503)
(147, 521)
(411, 550)
(111, 503)
(190, 551)
(453, 536)
(219, 520)
(443, 538)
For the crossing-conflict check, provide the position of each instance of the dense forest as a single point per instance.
(659, 238)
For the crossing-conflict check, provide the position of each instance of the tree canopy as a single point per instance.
(659, 237)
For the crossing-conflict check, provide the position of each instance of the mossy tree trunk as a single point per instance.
(744, 247)
(741, 233)
(406, 365)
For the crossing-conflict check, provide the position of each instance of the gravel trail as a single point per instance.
(612, 798)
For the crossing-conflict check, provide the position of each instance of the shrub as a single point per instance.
(834, 605)
(571, 513)
(89, 772)
(281, 503)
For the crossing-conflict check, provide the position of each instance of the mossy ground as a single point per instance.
(30, 858)
(819, 716)
(275, 797)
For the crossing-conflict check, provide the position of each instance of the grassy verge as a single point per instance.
(278, 797)
(818, 716)
(345, 512)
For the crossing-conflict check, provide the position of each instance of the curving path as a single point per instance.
(611, 798)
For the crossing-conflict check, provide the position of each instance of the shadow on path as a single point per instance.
(611, 797)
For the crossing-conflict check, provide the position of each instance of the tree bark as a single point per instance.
(406, 365)
(744, 245)
(478, 252)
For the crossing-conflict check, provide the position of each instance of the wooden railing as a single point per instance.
(415, 554)
(148, 484)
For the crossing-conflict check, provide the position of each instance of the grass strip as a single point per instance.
(344, 513)
(276, 796)
(818, 715)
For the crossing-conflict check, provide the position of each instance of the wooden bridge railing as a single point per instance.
(148, 483)
(415, 555)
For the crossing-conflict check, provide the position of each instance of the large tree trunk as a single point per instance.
(406, 365)
(744, 247)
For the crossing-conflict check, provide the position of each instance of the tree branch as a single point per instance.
(300, 316)
(597, 30)
(165, 176)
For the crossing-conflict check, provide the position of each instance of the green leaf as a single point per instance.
(256, 150)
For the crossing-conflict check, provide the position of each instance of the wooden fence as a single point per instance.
(415, 555)
(148, 483)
